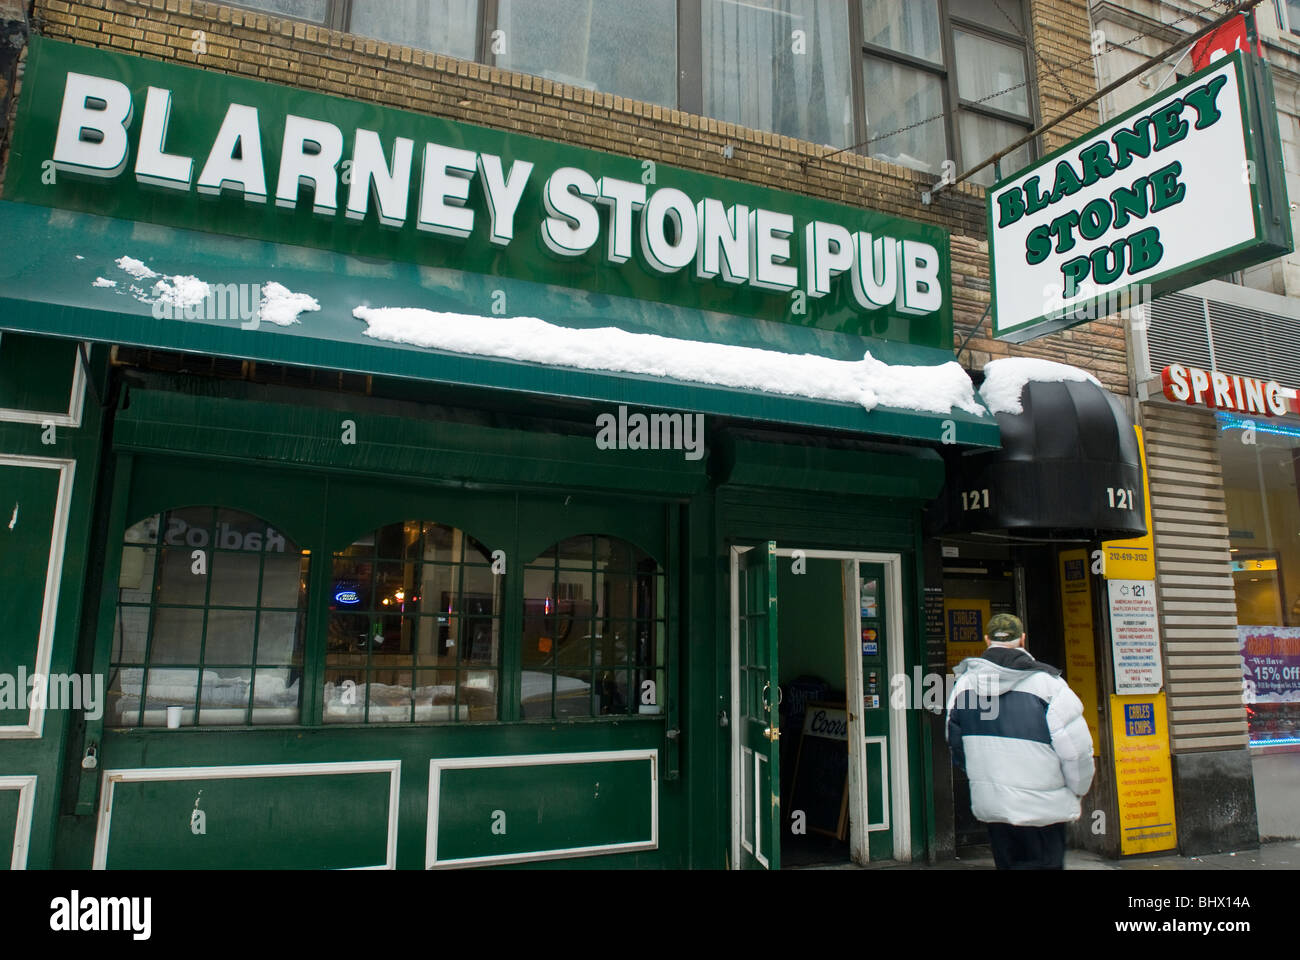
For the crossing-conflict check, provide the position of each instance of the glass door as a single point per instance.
(873, 629)
(756, 816)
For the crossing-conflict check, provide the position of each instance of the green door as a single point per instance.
(873, 610)
(757, 721)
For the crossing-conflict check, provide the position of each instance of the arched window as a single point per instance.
(414, 628)
(210, 619)
(593, 632)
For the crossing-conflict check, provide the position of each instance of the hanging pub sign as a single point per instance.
(140, 140)
(1186, 186)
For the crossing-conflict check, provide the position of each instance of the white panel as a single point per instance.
(35, 724)
(26, 787)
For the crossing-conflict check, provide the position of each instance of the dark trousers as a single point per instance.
(1028, 848)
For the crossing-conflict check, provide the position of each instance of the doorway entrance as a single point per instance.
(818, 758)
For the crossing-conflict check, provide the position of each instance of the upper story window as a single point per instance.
(779, 65)
(946, 87)
(912, 82)
(446, 26)
(606, 45)
(1288, 15)
(317, 11)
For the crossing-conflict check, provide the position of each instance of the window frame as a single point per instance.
(660, 621)
(946, 72)
(337, 554)
(156, 602)
(690, 66)
(320, 545)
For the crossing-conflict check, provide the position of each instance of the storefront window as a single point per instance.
(1261, 463)
(210, 620)
(414, 628)
(593, 637)
(779, 65)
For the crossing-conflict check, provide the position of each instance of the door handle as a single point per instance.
(722, 718)
(772, 733)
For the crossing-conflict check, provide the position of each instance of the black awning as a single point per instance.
(1069, 469)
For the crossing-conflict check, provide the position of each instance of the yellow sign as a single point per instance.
(1133, 559)
(1253, 566)
(964, 623)
(1143, 782)
(1076, 620)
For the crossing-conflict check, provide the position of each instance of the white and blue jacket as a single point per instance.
(1018, 731)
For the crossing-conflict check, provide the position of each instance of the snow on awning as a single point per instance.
(867, 382)
(102, 279)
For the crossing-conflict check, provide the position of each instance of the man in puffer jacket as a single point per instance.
(1018, 731)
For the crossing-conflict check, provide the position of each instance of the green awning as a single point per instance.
(53, 259)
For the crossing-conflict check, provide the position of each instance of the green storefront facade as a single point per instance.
(403, 605)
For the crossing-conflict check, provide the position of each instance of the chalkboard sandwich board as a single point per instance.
(821, 770)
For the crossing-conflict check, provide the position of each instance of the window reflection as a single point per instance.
(593, 631)
(1263, 506)
(210, 618)
(414, 628)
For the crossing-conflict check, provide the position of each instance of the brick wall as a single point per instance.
(288, 52)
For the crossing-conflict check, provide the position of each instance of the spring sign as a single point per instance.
(1183, 187)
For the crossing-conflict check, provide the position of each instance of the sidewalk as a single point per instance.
(1278, 855)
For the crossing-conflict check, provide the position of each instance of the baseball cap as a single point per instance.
(1004, 627)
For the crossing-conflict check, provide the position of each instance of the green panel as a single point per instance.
(327, 821)
(199, 102)
(875, 470)
(36, 373)
(544, 807)
(876, 801)
(8, 823)
(23, 566)
(430, 450)
(28, 497)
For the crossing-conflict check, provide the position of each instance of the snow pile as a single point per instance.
(867, 382)
(281, 306)
(135, 267)
(1005, 379)
(180, 292)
